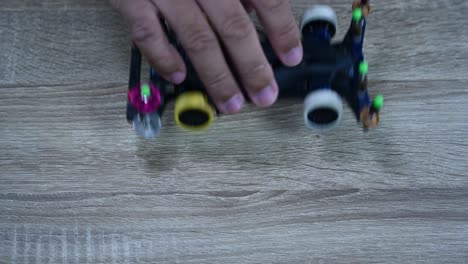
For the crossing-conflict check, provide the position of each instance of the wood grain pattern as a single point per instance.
(77, 186)
(91, 45)
(328, 226)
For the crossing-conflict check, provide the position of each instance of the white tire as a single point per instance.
(323, 110)
(320, 13)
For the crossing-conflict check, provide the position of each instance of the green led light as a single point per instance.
(145, 90)
(378, 102)
(363, 68)
(357, 14)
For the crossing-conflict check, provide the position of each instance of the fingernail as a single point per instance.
(233, 105)
(267, 96)
(177, 77)
(294, 56)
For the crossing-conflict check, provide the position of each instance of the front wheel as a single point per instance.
(193, 112)
(323, 110)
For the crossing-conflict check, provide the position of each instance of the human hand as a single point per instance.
(202, 26)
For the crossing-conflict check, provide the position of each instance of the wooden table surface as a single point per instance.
(76, 184)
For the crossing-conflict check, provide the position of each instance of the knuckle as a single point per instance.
(217, 80)
(142, 31)
(236, 27)
(272, 5)
(257, 76)
(218, 85)
(287, 35)
(199, 39)
(165, 62)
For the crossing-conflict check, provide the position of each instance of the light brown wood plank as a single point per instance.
(54, 47)
(405, 41)
(77, 186)
(53, 5)
(329, 226)
(76, 138)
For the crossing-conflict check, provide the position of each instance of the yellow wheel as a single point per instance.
(193, 112)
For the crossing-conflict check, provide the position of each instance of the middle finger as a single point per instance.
(237, 32)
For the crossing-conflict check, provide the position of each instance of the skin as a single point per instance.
(202, 26)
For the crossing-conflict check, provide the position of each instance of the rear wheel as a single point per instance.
(320, 17)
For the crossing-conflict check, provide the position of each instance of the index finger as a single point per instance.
(148, 34)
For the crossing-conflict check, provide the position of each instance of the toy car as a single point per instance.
(330, 72)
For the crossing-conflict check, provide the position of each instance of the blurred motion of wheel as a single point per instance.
(193, 112)
(323, 110)
(319, 17)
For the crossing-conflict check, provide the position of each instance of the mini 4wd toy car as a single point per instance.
(330, 73)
